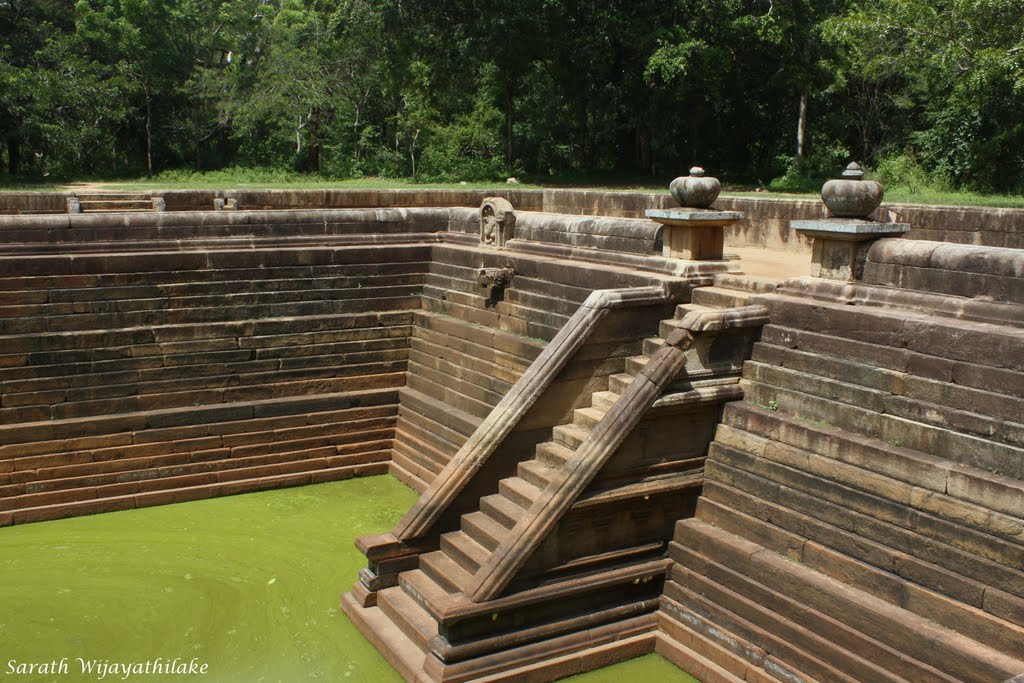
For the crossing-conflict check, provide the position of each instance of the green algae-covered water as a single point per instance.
(246, 585)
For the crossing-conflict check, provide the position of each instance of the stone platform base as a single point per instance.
(537, 662)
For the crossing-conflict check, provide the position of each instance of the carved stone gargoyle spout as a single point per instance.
(496, 280)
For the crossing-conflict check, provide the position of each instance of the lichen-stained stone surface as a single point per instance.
(616, 454)
(863, 509)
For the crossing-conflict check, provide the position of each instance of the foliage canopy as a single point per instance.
(479, 89)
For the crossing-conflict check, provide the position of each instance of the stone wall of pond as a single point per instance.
(766, 223)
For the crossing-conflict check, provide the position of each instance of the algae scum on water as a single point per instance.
(246, 585)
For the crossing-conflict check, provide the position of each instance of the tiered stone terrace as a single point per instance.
(156, 357)
(615, 457)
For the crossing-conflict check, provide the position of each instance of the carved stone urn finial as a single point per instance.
(695, 190)
(852, 196)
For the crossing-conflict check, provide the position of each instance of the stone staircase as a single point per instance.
(732, 289)
(463, 552)
(429, 623)
(145, 378)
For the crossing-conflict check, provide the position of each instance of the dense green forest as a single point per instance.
(758, 91)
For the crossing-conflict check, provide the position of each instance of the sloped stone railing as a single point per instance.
(602, 443)
(398, 550)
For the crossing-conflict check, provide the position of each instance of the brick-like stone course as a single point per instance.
(872, 478)
(132, 342)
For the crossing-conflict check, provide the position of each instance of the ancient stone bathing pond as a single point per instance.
(246, 584)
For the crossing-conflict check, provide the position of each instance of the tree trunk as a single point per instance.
(149, 134)
(13, 155)
(355, 130)
(412, 152)
(801, 132)
(507, 102)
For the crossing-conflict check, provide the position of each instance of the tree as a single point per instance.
(961, 64)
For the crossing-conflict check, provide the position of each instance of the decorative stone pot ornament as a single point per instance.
(852, 196)
(695, 190)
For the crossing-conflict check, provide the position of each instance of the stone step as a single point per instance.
(264, 423)
(604, 400)
(516, 321)
(997, 346)
(516, 347)
(551, 289)
(408, 615)
(719, 297)
(938, 414)
(553, 454)
(202, 316)
(682, 310)
(204, 295)
(116, 465)
(445, 571)
(963, 373)
(472, 299)
(229, 483)
(540, 302)
(407, 470)
(47, 438)
(220, 334)
(99, 286)
(931, 511)
(485, 371)
(464, 551)
(518, 491)
(160, 378)
(422, 588)
(537, 473)
(956, 569)
(652, 345)
(746, 283)
(439, 431)
(400, 651)
(806, 647)
(802, 655)
(156, 361)
(429, 442)
(965, 449)
(432, 407)
(909, 633)
(483, 529)
(216, 466)
(462, 382)
(446, 395)
(619, 382)
(570, 435)
(502, 510)
(706, 653)
(530, 319)
(445, 283)
(928, 472)
(214, 391)
(588, 417)
(940, 392)
(418, 459)
(917, 586)
(635, 364)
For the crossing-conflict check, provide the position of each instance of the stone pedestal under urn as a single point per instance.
(694, 232)
(841, 241)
